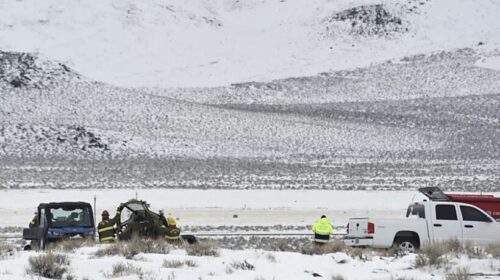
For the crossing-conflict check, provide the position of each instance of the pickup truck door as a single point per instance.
(445, 224)
(478, 228)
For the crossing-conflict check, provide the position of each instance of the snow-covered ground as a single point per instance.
(425, 120)
(218, 42)
(353, 94)
(247, 115)
(217, 207)
(490, 62)
(266, 265)
(254, 208)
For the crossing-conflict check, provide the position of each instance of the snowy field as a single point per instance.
(266, 265)
(254, 208)
(217, 207)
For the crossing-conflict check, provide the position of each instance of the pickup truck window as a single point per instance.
(446, 212)
(472, 214)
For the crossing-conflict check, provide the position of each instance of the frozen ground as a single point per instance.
(217, 207)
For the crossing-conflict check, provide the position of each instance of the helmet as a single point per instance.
(171, 221)
(105, 213)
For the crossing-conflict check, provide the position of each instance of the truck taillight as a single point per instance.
(371, 228)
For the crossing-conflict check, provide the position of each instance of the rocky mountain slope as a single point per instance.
(80, 133)
(399, 121)
(218, 42)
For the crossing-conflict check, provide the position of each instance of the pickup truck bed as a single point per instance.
(383, 232)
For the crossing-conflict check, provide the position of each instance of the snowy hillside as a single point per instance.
(310, 94)
(172, 138)
(331, 130)
(219, 42)
(441, 74)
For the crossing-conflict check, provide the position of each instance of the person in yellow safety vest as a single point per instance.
(322, 230)
(172, 232)
(105, 228)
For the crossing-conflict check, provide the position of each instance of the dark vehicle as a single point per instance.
(60, 220)
(136, 219)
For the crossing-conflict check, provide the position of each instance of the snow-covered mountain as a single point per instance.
(219, 42)
(74, 131)
(311, 94)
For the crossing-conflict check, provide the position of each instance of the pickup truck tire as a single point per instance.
(406, 244)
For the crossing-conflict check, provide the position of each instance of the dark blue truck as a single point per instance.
(60, 220)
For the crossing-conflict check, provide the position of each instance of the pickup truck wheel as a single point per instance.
(406, 245)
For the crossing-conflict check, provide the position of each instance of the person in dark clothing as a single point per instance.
(105, 228)
(162, 218)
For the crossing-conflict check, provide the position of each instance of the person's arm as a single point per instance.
(116, 218)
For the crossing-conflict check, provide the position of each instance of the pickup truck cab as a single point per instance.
(428, 221)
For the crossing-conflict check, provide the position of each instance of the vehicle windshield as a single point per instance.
(129, 210)
(69, 216)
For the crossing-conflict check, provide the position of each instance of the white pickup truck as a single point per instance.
(434, 220)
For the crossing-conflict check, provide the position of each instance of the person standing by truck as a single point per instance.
(105, 228)
(322, 230)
